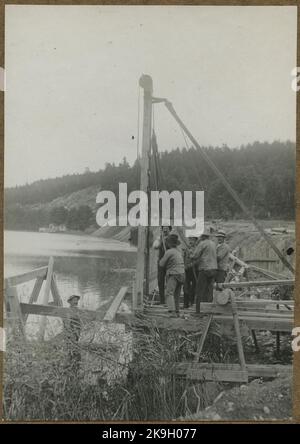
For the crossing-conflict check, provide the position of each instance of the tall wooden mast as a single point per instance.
(141, 272)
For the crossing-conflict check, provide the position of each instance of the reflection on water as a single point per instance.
(91, 267)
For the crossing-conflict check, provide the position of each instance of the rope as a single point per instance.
(228, 187)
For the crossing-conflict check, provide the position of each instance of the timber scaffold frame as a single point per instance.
(227, 309)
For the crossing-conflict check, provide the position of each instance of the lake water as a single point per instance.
(92, 267)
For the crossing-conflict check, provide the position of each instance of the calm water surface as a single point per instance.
(91, 267)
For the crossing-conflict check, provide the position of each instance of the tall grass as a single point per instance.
(42, 383)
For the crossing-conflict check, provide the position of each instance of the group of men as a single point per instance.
(195, 267)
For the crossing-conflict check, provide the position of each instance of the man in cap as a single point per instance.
(172, 263)
(160, 245)
(223, 252)
(205, 257)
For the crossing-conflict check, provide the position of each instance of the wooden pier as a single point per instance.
(236, 318)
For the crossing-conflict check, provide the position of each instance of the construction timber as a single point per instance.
(236, 315)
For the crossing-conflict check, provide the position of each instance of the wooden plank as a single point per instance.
(226, 310)
(238, 261)
(217, 375)
(253, 323)
(191, 325)
(203, 337)
(266, 259)
(263, 302)
(258, 283)
(29, 276)
(284, 325)
(253, 370)
(238, 336)
(61, 312)
(14, 313)
(138, 296)
(241, 304)
(45, 300)
(35, 293)
(268, 273)
(111, 312)
(55, 292)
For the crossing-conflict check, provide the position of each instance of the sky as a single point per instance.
(72, 96)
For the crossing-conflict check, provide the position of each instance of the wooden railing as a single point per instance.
(17, 313)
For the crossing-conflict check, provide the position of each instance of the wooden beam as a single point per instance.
(55, 292)
(244, 311)
(238, 261)
(14, 313)
(195, 370)
(138, 296)
(267, 273)
(25, 277)
(238, 335)
(35, 293)
(203, 337)
(112, 311)
(257, 283)
(252, 322)
(60, 312)
(217, 375)
(229, 188)
(266, 259)
(45, 300)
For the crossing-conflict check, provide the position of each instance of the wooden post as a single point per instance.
(35, 293)
(45, 300)
(203, 337)
(117, 301)
(138, 295)
(55, 293)
(238, 334)
(14, 313)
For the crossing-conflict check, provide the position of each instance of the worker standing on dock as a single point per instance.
(223, 252)
(160, 245)
(205, 257)
(173, 265)
(190, 273)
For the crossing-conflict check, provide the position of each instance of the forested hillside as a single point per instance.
(263, 175)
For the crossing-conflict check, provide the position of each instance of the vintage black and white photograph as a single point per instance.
(149, 212)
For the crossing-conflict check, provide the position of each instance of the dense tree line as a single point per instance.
(263, 175)
(18, 217)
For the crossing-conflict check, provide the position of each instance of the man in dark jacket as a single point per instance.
(172, 263)
(160, 245)
(190, 274)
(205, 257)
(223, 252)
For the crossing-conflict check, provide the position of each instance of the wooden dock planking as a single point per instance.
(114, 307)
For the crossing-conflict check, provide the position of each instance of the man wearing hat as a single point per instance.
(205, 257)
(223, 252)
(173, 264)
